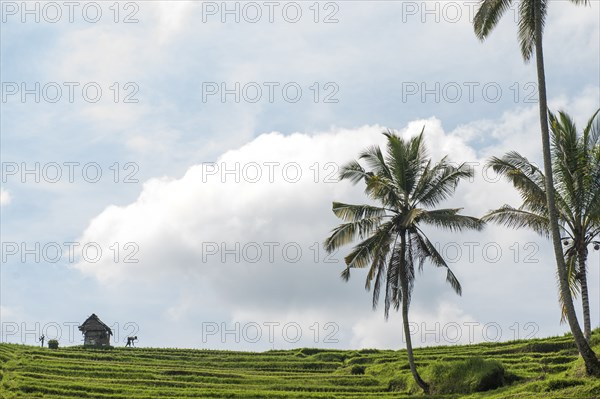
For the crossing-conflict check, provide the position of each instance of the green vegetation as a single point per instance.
(527, 369)
(465, 376)
(53, 344)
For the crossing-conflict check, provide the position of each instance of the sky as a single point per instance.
(170, 166)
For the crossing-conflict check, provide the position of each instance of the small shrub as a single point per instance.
(357, 369)
(465, 376)
(397, 384)
(53, 344)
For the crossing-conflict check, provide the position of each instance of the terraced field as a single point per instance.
(547, 368)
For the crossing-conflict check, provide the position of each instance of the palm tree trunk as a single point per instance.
(592, 365)
(404, 287)
(585, 300)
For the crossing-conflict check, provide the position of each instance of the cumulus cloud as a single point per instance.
(275, 189)
(251, 195)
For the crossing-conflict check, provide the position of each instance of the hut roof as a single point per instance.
(93, 323)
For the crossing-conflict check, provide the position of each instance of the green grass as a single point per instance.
(541, 368)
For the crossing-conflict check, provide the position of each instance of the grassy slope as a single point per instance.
(543, 368)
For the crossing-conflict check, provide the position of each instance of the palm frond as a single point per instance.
(375, 248)
(362, 254)
(392, 286)
(450, 219)
(345, 274)
(348, 232)
(518, 218)
(404, 159)
(409, 217)
(441, 183)
(453, 281)
(383, 190)
(426, 247)
(379, 268)
(400, 269)
(591, 132)
(526, 177)
(354, 172)
(419, 250)
(488, 15)
(527, 25)
(354, 213)
(376, 161)
(568, 162)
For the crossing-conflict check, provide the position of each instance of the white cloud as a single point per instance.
(175, 216)
(250, 196)
(5, 197)
(171, 18)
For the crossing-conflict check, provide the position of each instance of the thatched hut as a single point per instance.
(95, 332)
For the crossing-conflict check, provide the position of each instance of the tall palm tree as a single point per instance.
(405, 184)
(532, 17)
(576, 162)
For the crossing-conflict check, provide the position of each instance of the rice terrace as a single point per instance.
(300, 199)
(540, 368)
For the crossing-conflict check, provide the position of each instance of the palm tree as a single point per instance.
(404, 183)
(532, 16)
(576, 162)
